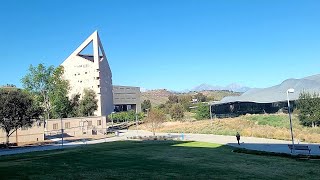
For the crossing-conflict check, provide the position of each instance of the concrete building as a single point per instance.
(85, 71)
(76, 127)
(22, 136)
(91, 71)
(126, 98)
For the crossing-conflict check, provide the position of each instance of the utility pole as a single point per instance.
(137, 120)
(289, 111)
(211, 114)
(61, 131)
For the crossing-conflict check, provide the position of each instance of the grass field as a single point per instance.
(154, 160)
(272, 126)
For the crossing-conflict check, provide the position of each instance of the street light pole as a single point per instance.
(289, 110)
(112, 120)
(137, 120)
(61, 132)
(211, 114)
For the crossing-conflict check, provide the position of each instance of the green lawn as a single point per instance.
(154, 160)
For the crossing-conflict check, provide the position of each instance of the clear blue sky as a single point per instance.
(173, 44)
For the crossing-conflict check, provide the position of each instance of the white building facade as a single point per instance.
(91, 71)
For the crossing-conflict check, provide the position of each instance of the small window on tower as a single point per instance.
(86, 72)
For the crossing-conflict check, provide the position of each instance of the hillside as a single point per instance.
(160, 96)
(218, 94)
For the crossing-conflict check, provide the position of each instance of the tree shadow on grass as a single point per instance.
(278, 149)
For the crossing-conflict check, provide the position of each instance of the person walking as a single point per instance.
(238, 138)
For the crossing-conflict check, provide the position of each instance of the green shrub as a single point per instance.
(202, 111)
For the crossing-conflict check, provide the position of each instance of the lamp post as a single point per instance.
(210, 114)
(61, 131)
(112, 120)
(137, 120)
(289, 112)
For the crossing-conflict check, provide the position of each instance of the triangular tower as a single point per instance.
(97, 54)
(88, 68)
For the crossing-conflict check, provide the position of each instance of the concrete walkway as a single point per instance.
(58, 146)
(252, 143)
(260, 144)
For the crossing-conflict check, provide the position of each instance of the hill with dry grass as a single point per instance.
(160, 96)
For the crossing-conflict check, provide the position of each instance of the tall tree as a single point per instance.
(17, 109)
(75, 106)
(49, 89)
(309, 109)
(155, 119)
(177, 111)
(88, 103)
(185, 101)
(61, 106)
(146, 104)
(38, 82)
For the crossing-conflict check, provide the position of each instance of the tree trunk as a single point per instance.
(17, 137)
(7, 140)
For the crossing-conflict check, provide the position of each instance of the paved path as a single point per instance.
(252, 143)
(57, 146)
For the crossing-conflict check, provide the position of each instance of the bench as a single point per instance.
(299, 147)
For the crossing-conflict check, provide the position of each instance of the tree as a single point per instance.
(88, 103)
(17, 109)
(38, 82)
(61, 106)
(185, 101)
(309, 109)
(176, 112)
(155, 119)
(202, 111)
(173, 99)
(75, 106)
(146, 104)
(126, 116)
(200, 97)
(49, 89)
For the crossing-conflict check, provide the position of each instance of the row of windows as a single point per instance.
(86, 73)
(83, 123)
(84, 65)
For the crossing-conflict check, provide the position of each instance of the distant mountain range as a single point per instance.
(278, 93)
(231, 87)
(234, 87)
